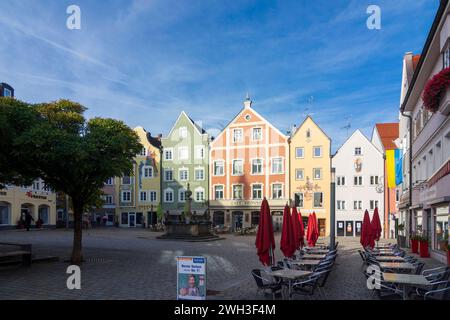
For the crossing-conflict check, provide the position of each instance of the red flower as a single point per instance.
(434, 90)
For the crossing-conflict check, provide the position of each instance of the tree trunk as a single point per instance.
(77, 234)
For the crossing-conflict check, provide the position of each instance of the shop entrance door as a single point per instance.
(132, 220)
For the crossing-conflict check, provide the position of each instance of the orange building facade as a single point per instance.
(248, 161)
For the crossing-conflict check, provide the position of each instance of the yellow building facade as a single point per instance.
(36, 199)
(310, 172)
(139, 194)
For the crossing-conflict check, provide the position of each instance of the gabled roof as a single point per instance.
(388, 133)
(154, 141)
(258, 115)
(200, 130)
(309, 117)
(357, 131)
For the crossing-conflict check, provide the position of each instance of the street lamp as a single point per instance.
(333, 209)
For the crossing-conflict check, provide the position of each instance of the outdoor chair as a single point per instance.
(264, 284)
(419, 266)
(307, 287)
(439, 275)
(437, 285)
(428, 272)
(386, 290)
(439, 294)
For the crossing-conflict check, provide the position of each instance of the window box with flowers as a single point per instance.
(436, 96)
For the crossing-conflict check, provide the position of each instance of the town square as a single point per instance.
(211, 151)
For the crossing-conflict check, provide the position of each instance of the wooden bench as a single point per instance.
(24, 252)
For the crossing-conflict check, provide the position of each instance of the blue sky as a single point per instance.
(144, 61)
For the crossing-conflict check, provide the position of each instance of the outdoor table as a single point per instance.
(389, 259)
(290, 275)
(305, 262)
(314, 256)
(383, 253)
(397, 265)
(317, 251)
(405, 281)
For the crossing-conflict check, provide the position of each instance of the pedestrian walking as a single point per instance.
(28, 219)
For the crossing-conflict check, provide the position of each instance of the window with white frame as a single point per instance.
(357, 180)
(357, 205)
(338, 204)
(257, 191)
(341, 204)
(340, 181)
(183, 174)
(238, 167)
(277, 165)
(183, 153)
(373, 204)
(168, 174)
(299, 199)
(199, 174)
(108, 199)
(109, 181)
(358, 151)
(257, 166)
(218, 192)
(277, 191)
(317, 152)
(317, 173)
(36, 185)
(238, 135)
(168, 195)
(143, 152)
(182, 132)
(373, 180)
(446, 57)
(257, 134)
(199, 194)
(148, 172)
(299, 152)
(126, 196)
(299, 174)
(199, 152)
(238, 192)
(143, 196)
(168, 154)
(152, 196)
(219, 167)
(318, 200)
(182, 195)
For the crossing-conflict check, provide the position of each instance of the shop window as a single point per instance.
(441, 228)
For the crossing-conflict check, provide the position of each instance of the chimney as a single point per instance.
(159, 136)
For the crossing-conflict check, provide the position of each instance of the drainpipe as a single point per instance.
(410, 123)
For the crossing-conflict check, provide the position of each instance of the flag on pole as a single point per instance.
(394, 164)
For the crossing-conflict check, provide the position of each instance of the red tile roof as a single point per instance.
(388, 133)
(415, 60)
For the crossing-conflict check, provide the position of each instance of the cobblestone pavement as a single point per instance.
(133, 264)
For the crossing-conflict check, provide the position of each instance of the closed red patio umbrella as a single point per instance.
(366, 239)
(296, 228)
(302, 229)
(315, 231)
(265, 241)
(287, 243)
(376, 225)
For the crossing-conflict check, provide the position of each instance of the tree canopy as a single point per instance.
(55, 142)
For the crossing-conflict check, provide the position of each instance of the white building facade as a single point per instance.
(359, 183)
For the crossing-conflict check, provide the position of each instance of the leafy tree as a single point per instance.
(71, 154)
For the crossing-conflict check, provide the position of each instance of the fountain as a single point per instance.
(190, 227)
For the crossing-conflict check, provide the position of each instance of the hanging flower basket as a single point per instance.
(436, 89)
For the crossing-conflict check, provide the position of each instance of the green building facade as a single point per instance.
(185, 162)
